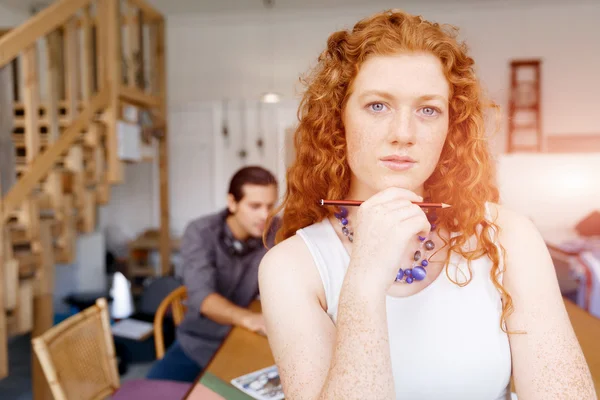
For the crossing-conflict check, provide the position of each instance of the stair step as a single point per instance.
(18, 234)
(21, 243)
(19, 139)
(28, 263)
(63, 122)
(63, 108)
(21, 167)
(45, 213)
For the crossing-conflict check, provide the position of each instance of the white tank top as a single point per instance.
(445, 341)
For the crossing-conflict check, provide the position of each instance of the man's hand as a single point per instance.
(254, 322)
(217, 308)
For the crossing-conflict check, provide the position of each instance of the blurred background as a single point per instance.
(225, 77)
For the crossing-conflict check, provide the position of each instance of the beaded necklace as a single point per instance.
(418, 270)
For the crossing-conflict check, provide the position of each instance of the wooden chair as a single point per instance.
(175, 301)
(79, 362)
(78, 355)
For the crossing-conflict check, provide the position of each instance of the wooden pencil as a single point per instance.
(359, 202)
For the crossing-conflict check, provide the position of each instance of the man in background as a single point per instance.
(220, 258)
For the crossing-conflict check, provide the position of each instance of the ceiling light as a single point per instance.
(270, 98)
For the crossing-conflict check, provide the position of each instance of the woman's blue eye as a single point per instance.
(429, 111)
(377, 107)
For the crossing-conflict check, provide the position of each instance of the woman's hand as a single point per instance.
(385, 232)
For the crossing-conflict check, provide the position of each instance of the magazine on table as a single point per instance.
(263, 384)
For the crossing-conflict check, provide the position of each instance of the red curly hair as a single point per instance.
(465, 173)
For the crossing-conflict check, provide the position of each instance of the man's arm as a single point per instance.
(222, 311)
(199, 276)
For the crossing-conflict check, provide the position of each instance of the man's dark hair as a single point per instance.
(252, 175)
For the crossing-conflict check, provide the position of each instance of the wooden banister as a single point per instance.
(36, 27)
(150, 13)
(139, 98)
(63, 154)
(45, 161)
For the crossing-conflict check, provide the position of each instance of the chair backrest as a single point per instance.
(78, 355)
(175, 300)
(158, 289)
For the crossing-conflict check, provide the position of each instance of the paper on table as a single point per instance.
(263, 384)
(132, 329)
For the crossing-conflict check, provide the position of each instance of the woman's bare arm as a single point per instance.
(547, 360)
(316, 360)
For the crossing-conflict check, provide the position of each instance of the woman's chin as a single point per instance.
(407, 184)
(369, 188)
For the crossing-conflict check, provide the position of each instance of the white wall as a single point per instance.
(201, 163)
(212, 57)
(10, 18)
(555, 191)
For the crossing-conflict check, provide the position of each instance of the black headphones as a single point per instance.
(240, 248)
(236, 247)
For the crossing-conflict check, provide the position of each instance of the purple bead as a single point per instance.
(421, 238)
(409, 279)
(342, 214)
(429, 245)
(399, 275)
(419, 273)
(433, 226)
(424, 263)
(408, 272)
(417, 255)
(344, 221)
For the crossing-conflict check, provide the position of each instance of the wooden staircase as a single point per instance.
(71, 78)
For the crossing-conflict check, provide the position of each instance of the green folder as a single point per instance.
(223, 388)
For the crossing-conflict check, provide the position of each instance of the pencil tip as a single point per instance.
(444, 205)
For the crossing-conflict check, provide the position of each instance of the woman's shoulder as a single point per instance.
(296, 244)
(290, 257)
(289, 266)
(288, 248)
(288, 270)
(507, 219)
(516, 231)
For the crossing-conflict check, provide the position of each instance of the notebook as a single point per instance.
(133, 329)
(263, 384)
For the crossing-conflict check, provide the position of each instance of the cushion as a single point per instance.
(152, 389)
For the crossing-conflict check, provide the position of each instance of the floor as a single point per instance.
(17, 386)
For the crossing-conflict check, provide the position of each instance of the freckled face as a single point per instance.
(396, 122)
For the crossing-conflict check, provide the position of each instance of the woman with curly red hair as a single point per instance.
(390, 299)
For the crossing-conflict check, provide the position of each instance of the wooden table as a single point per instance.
(243, 352)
